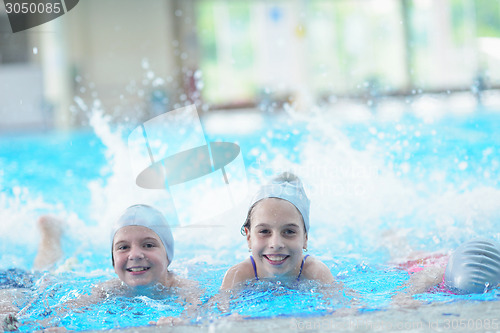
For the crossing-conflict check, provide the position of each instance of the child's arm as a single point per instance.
(418, 283)
(8, 310)
(237, 274)
(422, 281)
(7, 299)
(233, 279)
(190, 293)
(8, 320)
(98, 294)
(316, 270)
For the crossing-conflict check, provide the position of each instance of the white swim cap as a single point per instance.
(474, 267)
(149, 217)
(286, 186)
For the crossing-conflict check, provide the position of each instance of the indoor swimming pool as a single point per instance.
(381, 187)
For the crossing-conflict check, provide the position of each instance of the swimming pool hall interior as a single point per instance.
(140, 59)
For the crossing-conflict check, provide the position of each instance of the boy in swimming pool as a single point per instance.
(276, 229)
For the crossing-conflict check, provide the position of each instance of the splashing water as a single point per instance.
(430, 184)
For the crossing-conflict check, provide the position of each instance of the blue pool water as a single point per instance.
(435, 183)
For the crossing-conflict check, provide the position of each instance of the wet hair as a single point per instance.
(247, 221)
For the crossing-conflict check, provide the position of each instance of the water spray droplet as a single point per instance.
(462, 165)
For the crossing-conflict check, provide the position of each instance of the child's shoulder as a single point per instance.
(113, 286)
(312, 263)
(244, 268)
(240, 272)
(175, 281)
(315, 269)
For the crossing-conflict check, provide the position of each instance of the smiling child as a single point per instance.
(276, 229)
(141, 251)
(143, 248)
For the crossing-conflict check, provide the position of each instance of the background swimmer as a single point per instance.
(276, 229)
(473, 268)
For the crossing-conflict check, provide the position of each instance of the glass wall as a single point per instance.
(487, 22)
(289, 50)
(227, 49)
(356, 45)
(442, 44)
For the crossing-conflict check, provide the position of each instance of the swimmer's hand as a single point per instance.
(9, 323)
(168, 321)
(405, 301)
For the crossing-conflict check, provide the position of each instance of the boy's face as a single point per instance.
(276, 238)
(140, 257)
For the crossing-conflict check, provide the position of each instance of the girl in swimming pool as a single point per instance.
(276, 230)
(142, 249)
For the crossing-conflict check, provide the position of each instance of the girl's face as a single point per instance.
(276, 238)
(140, 257)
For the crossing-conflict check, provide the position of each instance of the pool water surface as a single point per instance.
(433, 184)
